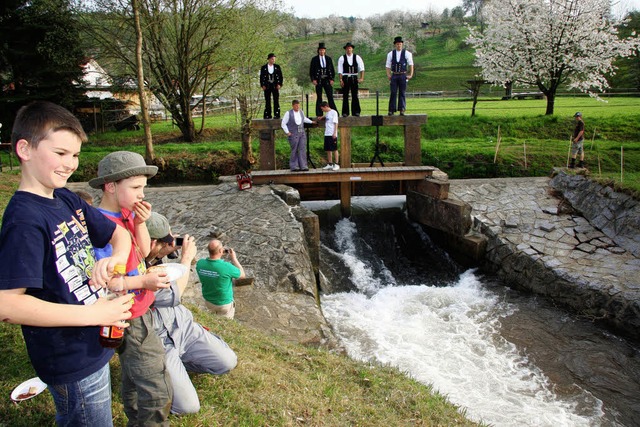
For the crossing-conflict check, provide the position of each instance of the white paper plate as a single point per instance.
(174, 271)
(24, 388)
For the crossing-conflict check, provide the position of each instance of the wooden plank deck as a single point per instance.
(359, 174)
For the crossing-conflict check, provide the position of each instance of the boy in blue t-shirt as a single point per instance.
(50, 276)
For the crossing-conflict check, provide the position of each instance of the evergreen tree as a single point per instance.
(40, 57)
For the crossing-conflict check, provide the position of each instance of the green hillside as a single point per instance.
(442, 61)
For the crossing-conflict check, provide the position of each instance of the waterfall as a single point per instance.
(441, 325)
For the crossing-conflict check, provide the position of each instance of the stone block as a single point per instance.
(450, 215)
(289, 195)
(435, 188)
(473, 245)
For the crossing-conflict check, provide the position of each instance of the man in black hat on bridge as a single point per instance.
(271, 82)
(351, 72)
(399, 71)
(322, 74)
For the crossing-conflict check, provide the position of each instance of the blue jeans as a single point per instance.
(86, 402)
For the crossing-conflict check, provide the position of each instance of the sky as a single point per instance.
(366, 8)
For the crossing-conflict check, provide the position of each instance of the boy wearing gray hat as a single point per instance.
(146, 386)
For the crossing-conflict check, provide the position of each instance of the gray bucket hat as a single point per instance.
(120, 165)
(158, 227)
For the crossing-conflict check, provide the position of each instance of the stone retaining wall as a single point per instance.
(538, 244)
(616, 214)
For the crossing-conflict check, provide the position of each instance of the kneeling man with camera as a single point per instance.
(216, 276)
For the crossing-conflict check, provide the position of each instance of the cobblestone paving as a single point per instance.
(601, 278)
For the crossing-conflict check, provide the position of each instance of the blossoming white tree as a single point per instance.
(550, 43)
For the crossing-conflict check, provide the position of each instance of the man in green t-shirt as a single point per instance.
(216, 276)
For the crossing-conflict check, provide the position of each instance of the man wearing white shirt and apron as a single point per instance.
(350, 72)
(293, 126)
(399, 70)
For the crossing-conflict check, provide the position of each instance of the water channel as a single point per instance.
(508, 358)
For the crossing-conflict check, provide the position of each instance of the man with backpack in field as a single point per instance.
(577, 142)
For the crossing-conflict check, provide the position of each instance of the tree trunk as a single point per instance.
(188, 130)
(184, 120)
(247, 151)
(508, 89)
(146, 122)
(551, 100)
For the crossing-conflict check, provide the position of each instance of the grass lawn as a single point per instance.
(531, 144)
(275, 384)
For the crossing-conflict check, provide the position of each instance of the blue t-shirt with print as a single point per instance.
(46, 246)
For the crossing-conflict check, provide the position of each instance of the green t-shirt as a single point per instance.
(216, 278)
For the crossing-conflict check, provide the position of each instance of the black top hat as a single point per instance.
(271, 55)
(321, 46)
(348, 45)
(397, 40)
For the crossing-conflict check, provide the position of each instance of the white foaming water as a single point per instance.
(449, 337)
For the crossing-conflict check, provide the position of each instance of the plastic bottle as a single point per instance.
(112, 336)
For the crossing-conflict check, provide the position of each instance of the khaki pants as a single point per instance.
(227, 310)
(146, 386)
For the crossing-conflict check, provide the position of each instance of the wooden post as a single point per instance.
(345, 199)
(621, 163)
(495, 156)
(345, 147)
(267, 149)
(345, 162)
(412, 148)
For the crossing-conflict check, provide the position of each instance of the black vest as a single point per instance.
(399, 67)
(350, 69)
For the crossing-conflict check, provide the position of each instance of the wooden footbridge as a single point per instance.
(351, 179)
(428, 200)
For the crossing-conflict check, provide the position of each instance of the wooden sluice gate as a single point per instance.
(351, 179)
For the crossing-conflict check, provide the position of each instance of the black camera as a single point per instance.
(179, 241)
(226, 250)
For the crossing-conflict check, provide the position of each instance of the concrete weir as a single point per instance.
(566, 238)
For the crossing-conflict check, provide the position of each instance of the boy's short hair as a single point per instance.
(324, 104)
(119, 165)
(37, 120)
(295, 101)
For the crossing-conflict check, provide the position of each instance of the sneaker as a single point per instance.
(335, 167)
(329, 166)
